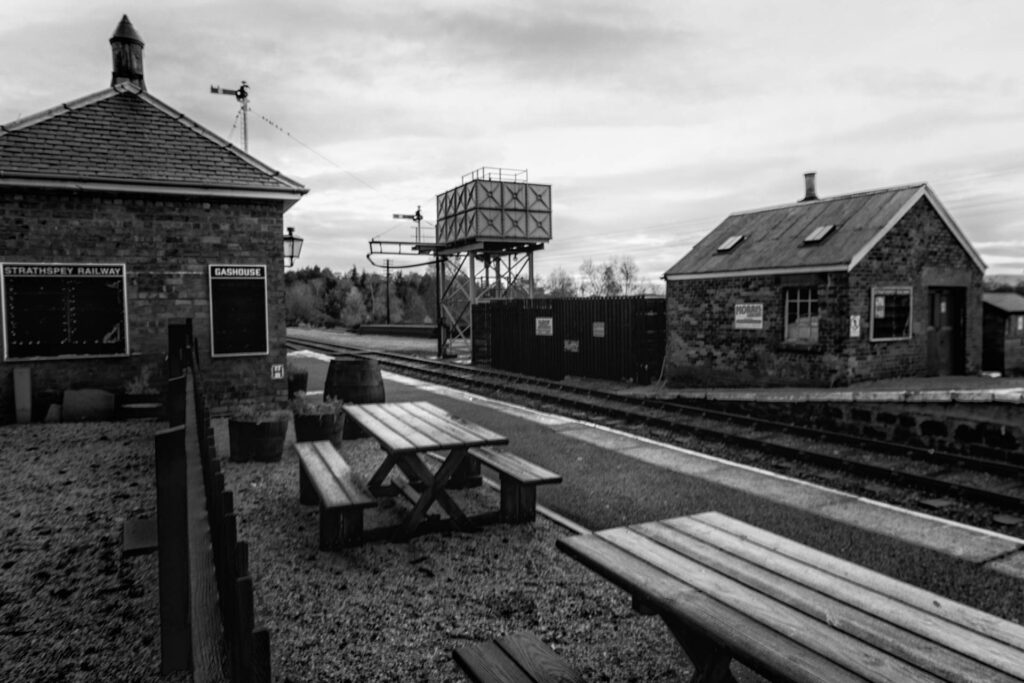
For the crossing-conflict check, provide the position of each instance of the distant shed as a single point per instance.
(827, 291)
(1004, 333)
(122, 216)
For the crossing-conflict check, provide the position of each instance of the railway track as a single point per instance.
(978, 490)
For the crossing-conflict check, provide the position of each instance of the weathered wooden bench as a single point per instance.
(519, 480)
(521, 657)
(728, 590)
(325, 477)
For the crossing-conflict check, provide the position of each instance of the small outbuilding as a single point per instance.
(827, 291)
(122, 216)
(1004, 333)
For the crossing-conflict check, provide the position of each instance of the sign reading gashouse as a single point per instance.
(238, 310)
(64, 310)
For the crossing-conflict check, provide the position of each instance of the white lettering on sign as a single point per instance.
(55, 270)
(277, 371)
(238, 271)
(748, 317)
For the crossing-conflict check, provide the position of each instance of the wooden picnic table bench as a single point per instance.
(325, 477)
(728, 590)
(517, 658)
(408, 432)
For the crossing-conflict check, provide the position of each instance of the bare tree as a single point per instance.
(560, 284)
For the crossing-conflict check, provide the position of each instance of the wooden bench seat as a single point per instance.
(325, 477)
(728, 590)
(521, 657)
(519, 481)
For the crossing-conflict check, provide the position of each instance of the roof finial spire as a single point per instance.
(126, 45)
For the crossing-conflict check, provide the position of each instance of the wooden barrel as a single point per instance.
(354, 379)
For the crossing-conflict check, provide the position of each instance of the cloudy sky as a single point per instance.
(651, 120)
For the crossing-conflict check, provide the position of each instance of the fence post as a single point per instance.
(176, 400)
(173, 551)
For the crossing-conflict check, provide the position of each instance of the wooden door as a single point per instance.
(945, 331)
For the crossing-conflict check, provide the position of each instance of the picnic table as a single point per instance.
(408, 432)
(728, 590)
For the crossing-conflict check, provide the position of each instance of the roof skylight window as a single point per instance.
(819, 233)
(730, 243)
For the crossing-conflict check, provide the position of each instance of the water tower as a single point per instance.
(487, 230)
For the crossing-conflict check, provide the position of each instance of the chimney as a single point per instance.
(126, 46)
(809, 194)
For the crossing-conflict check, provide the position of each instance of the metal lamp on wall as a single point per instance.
(292, 248)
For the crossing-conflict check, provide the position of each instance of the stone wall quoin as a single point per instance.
(166, 244)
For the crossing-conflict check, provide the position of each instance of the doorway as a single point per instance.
(945, 353)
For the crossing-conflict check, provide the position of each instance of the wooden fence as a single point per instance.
(184, 566)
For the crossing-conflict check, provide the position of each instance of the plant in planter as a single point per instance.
(258, 433)
(317, 420)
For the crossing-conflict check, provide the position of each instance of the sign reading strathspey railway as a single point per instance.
(749, 317)
(238, 310)
(64, 310)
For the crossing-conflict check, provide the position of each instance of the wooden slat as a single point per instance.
(950, 610)
(343, 475)
(330, 493)
(787, 581)
(467, 433)
(764, 649)
(487, 663)
(391, 440)
(869, 662)
(515, 466)
(486, 436)
(395, 418)
(426, 433)
(537, 659)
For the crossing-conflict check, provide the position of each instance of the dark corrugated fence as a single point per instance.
(619, 338)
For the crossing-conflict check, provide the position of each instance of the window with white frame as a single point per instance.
(890, 313)
(801, 315)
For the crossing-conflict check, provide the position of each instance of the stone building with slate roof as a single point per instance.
(119, 216)
(825, 292)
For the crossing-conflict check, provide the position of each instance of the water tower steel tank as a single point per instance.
(485, 210)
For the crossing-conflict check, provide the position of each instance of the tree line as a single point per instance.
(320, 297)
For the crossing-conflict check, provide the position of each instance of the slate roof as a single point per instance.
(1007, 302)
(124, 138)
(773, 239)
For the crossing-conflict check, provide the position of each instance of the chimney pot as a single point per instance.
(809, 192)
(126, 46)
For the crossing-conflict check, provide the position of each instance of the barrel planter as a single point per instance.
(259, 440)
(322, 427)
(354, 379)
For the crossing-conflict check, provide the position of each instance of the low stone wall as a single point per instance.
(985, 430)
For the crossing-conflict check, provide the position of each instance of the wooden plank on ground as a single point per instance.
(859, 657)
(486, 662)
(794, 584)
(537, 659)
(764, 649)
(955, 612)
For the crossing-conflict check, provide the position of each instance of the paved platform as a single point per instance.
(1000, 553)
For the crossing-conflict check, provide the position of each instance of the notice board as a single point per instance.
(64, 310)
(238, 310)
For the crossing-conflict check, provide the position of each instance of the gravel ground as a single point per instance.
(390, 611)
(73, 609)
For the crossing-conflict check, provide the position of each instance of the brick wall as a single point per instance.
(166, 244)
(704, 349)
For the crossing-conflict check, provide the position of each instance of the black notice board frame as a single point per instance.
(235, 313)
(58, 293)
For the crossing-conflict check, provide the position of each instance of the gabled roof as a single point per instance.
(1007, 302)
(124, 139)
(774, 240)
